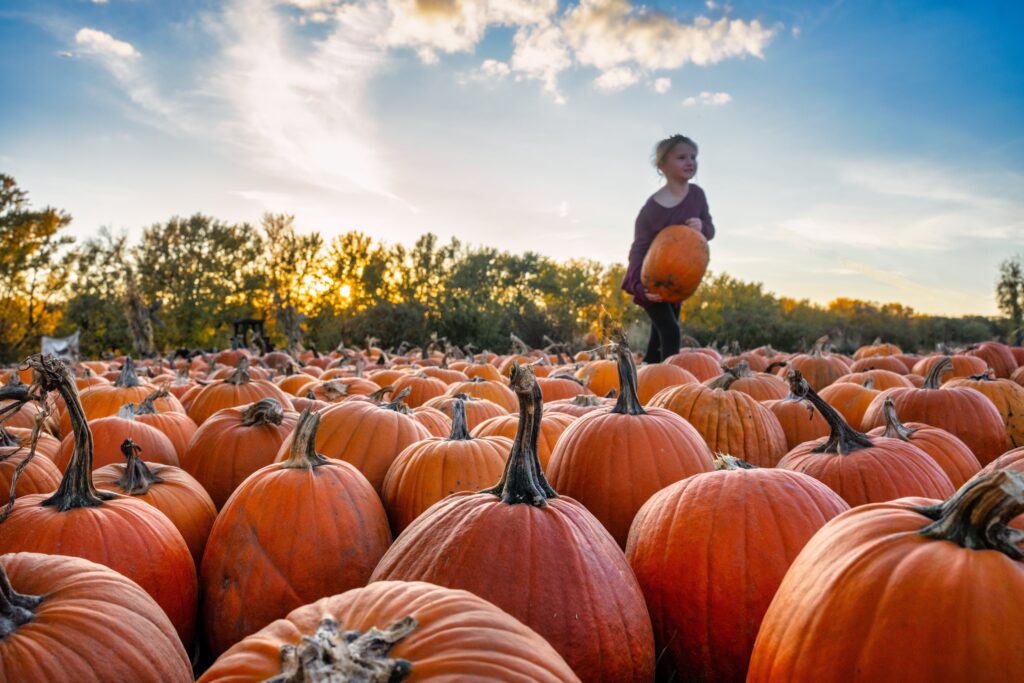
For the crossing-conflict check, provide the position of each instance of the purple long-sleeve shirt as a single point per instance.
(651, 220)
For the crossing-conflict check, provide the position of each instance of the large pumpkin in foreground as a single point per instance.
(675, 263)
(908, 590)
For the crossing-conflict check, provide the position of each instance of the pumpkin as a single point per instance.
(890, 363)
(48, 446)
(652, 378)
(46, 601)
(760, 386)
(551, 429)
(339, 388)
(599, 376)
(103, 400)
(877, 349)
(850, 399)
(700, 365)
(675, 263)
(709, 552)
(234, 443)
(258, 564)
(729, 421)
(880, 379)
(754, 361)
(910, 590)
(799, 420)
(429, 470)
(951, 454)
(391, 630)
(580, 405)
(818, 367)
(863, 469)
(555, 388)
(597, 620)
(496, 392)
(238, 389)
(1008, 398)
(421, 388)
(127, 535)
(613, 460)
(109, 432)
(40, 475)
(171, 490)
(964, 412)
(178, 427)
(960, 365)
(366, 435)
(476, 409)
(997, 356)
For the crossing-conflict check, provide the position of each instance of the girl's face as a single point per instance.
(680, 164)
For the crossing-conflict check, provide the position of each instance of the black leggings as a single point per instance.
(664, 331)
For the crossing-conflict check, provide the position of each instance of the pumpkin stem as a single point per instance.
(460, 430)
(7, 440)
(127, 376)
(731, 462)
(303, 454)
(587, 400)
(148, 405)
(137, 476)
(15, 609)
(333, 390)
(398, 402)
(629, 402)
(76, 489)
(977, 516)
(725, 380)
(843, 438)
(266, 411)
(934, 378)
(332, 655)
(772, 367)
(894, 429)
(241, 374)
(523, 481)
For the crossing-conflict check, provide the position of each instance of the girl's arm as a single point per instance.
(707, 227)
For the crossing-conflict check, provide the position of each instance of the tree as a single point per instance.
(33, 270)
(96, 292)
(291, 273)
(205, 272)
(1010, 291)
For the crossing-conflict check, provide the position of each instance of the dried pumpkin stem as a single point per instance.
(843, 438)
(523, 481)
(303, 454)
(460, 429)
(894, 429)
(15, 609)
(725, 380)
(934, 378)
(266, 411)
(127, 376)
(731, 462)
(628, 402)
(978, 515)
(331, 655)
(398, 403)
(76, 488)
(241, 374)
(137, 476)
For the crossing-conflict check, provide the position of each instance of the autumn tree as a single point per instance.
(1010, 291)
(291, 274)
(96, 295)
(33, 270)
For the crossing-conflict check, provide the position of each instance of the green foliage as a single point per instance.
(95, 302)
(34, 268)
(1010, 290)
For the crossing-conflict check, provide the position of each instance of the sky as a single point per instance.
(871, 150)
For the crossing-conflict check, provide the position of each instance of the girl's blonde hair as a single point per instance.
(667, 145)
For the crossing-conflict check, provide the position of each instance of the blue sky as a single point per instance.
(864, 149)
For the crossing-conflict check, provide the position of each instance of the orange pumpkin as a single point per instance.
(675, 263)
(103, 400)
(40, 475)
(652, 378)
(44, 601)
(819, 367)
(258, 565)
(395, 629)
(997, 356)
(178, 427)
(799, 420)
(109, 432)
(760, 386)
(1008, 398)
(709, 552)
(850, 399)
(580, 405)
(880, 379)
(869, 597)
(476, 409)
(551, 429)
(700, 365)
(960, 365)
(421, 388)
(496, 392)
(613, 460)
(238, 389)
(555, 388)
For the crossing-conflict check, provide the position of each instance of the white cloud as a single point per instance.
(619, 78)
(100, 43)
(795, 31)
(540, 53)
(489, 71)
(99, 2)
(662, 85)
(709, 99)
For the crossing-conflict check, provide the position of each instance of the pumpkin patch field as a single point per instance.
(431, 514)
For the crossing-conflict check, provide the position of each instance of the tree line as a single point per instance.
(186, 279)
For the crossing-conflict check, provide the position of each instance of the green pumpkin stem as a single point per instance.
(934, 378)
(460, 428)
(843, 438)
(332, 654)
(76, 489)
(127, 376)
(523, 481)
(303, 455)
(15, 609)
(894, 429)
(978, 515)
(265, 411)
(137, 476)
(628, 402)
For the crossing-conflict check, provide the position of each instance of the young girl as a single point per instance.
(679, 202)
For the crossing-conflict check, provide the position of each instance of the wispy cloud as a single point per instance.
(616, 79)
(100, 43)
(708, 99)
(662, 85)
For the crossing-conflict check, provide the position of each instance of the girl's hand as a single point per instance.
(651, 296)
(695, 223)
